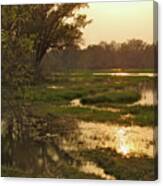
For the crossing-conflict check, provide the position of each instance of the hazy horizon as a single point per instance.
(118, 21)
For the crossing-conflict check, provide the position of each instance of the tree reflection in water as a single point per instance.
(38, 151)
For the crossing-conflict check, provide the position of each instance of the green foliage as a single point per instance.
(143, 115)
(112, 97)
(36, 28)
(28, 32)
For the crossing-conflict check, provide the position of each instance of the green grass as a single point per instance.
(92, 90)
(122, 168)
(86, 114)
(143, 115)
(43, 94)
(87, 78)
(112, 97)
(101, 91)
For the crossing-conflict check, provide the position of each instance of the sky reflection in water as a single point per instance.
(128, 141)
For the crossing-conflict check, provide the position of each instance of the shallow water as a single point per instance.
(43, 158)
(125, 74)
(146, 89)
(92, 168)
(54, 87)
(131, 141)
(148, 93)
(77, 103)
(128, 141)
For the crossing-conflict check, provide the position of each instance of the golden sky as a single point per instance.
(119, 21)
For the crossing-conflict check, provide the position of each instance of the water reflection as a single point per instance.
(129, 141)
(125, 74)
(45, 158)
(148, 93)
(77, 103)
(91, 167)
(147, 90)
(54, 87)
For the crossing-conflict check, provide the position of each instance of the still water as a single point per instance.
(148, 93)
(43, 158)
(125, 74)
(129, 141)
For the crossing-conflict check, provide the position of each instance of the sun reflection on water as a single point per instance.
(130, 142)
(126, 140)
(124, 147)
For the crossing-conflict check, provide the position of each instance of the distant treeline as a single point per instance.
(131, 54)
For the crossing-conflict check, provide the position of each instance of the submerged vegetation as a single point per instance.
(123, 168)
(73, 119)
(97, 101)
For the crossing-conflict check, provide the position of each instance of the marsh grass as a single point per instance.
(94, 91)
(97, 91)
(116, 92)
(43, 94)
(143, 115)
(123, 168)
(80, 113)
(112, 97)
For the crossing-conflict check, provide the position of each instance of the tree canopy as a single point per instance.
(28, 32)
(34, 29)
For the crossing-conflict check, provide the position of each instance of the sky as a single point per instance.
(119, 21)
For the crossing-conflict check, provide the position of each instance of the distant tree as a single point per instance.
(133, 53)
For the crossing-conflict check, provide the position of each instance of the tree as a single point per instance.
(38, 28)
(28, 32)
